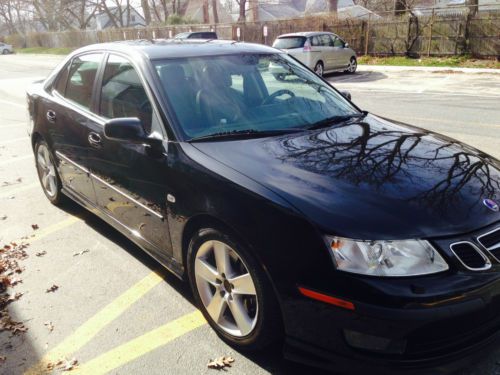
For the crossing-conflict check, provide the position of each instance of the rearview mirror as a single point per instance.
(346, 94)
(125, 129)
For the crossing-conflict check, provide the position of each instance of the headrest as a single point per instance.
(172, 75)
(216, 76)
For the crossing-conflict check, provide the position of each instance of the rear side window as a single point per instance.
(123, 94)
(81, 79)
(289, 42)
(60, 84)
(315, 42)
(326, 41)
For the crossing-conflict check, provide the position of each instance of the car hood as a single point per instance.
(372, 178)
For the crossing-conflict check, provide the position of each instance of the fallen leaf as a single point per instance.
(41, 253)
(70, 365)
(34, 226)
(53, 288)
(81, 252)
(3, 217)
(49, 325)
(220, 363)
(2, 358)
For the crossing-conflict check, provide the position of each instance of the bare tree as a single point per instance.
(242, 4)
(146, 10)
(214, 11)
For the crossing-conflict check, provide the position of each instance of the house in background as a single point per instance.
(129, 18)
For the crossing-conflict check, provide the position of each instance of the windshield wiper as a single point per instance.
(335, 120)
(247, 133)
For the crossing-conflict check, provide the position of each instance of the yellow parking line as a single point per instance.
(44, 232)
(83, 334)
(141, 345)
(16, 189)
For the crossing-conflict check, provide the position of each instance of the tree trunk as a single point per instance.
(332, 5)
(242, 17)
(214, 10)
(146, 10)
(206, 15)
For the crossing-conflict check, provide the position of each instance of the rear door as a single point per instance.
(130, 181)
(70, 116)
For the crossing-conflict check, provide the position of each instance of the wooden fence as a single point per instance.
(429, 35)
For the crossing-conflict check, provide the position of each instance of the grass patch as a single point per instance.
(451, 62)
(45, 50)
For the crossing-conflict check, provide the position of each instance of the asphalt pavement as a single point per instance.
(114, 309)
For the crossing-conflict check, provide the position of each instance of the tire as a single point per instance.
(353, 65)
(46, 166)
(5, 51)
(262, 324)
(319, 68)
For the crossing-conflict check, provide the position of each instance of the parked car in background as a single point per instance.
(5, 48)
(322, 52)
(197, 35)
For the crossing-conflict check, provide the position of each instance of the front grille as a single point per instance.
(470, 256)
(490, 240)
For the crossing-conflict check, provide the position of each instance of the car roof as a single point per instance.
(175, 48)
(305, 34)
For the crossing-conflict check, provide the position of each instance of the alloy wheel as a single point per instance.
(353, 64)
(46, 170)
(226, 288)
(319, 69)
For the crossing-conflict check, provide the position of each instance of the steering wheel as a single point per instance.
(273, 96)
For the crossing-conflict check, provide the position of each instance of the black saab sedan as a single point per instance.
(362, 242)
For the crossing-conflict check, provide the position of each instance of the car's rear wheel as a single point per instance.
(232, 291)
(319, 69)
(353, 65)
(5, 51)
(47, 173)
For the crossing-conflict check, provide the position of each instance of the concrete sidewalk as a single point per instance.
(426, 69)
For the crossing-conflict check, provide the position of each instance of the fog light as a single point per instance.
(374, 343)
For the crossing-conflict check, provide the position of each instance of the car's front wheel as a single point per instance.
(232, 291)
(47, 172)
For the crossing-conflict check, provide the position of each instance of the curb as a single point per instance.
(427, 69)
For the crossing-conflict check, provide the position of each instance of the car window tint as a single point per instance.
(123, 94)
(245, 91)
(289, 42)
(338, 42)
(60, 83)
(81, 78)
(325, 40)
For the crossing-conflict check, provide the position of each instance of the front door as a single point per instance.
(69, 116)
(128, 178)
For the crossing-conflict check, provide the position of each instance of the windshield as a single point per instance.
(289, 42)
(247, 92)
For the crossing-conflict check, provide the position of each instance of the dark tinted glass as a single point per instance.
(81, 78)
(289, 42)
(123, 94)
(61, 80)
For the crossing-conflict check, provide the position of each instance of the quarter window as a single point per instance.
(81, 79)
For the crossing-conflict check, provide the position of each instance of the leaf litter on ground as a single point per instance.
(81, 252)
(220, 363)
(52, 289)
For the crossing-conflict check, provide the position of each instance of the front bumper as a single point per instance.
(443, 335)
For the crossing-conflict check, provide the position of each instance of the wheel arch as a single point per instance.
(206, 220)
(35, 137)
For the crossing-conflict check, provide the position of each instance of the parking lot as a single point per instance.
(90, 295)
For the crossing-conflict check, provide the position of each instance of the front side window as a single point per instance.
(338, 42)
(246, 92)
(81, 77)
(123, 94)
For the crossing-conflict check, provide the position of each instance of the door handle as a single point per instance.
(51, 116)
(95, 140)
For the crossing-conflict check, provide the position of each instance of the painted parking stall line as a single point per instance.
(142, 345)
(86, 332)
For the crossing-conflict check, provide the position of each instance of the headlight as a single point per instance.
(386, 258)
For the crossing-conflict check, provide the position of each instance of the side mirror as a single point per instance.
(125, 129)
(346, 45)
(346, 94)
